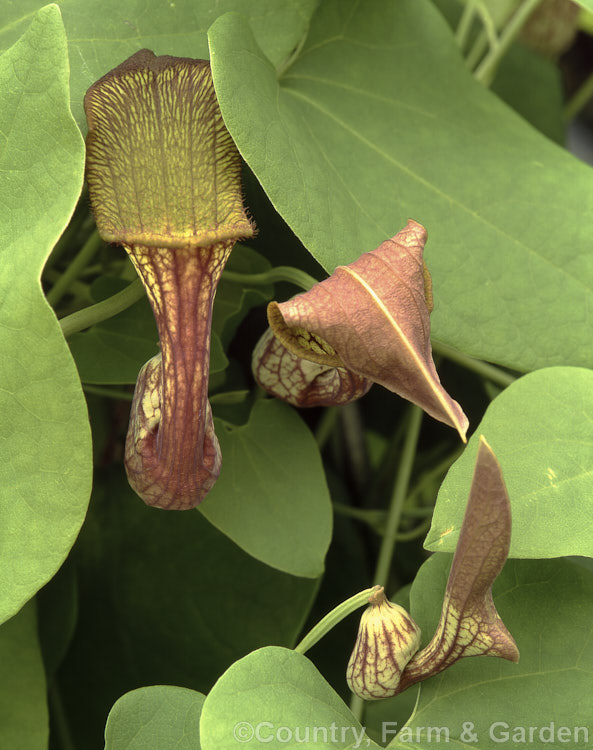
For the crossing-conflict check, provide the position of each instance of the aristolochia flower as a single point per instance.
(164, 181)
(372, 319)
(385, 660)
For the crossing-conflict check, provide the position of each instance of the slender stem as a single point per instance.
(109, 307)
(374, 517)
(418, 512)
(487, 68)
(579, 99)
(399, 495)
(77, 288)
(97, 390)
(357, 706)
(332, 618)
(407, 536)
(465, 23)
(486, 370)
(478, 48)
(279, 273)
(376, 520)
(489, 25)
(66, 240)
(80, 261)
(60, 719)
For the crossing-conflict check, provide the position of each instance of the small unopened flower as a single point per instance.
(387, 639)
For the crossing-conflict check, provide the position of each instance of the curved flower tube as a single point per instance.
(372, 318)
(385, 660)
(164, 181)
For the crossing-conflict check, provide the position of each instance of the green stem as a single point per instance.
(478, 48)
(77, 288)
(66, 240)
(579, 99)
(59, 717)
(399, 495)
(373, 517)
(97, 390)
(332, 618)
(407, 536)
(487, 68)
(80, 261)
(465, 23)
(376, 520)
(488, 371)
(279, 273)
(357, 706)
(109, 307)
(420, 511)
(489, 25)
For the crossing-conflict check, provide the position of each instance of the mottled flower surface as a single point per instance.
(371, 318)
(164, 181)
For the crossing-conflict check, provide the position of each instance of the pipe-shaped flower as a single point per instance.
(164, 181)
(372, 318)
(469, 623)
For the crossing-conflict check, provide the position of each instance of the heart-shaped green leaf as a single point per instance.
(102, 33)
(540, 430)
(161, 717)
(378, 120)
(272, 491)
(277, 697)
(45, 447)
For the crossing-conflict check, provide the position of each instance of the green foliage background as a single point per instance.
(352, 117)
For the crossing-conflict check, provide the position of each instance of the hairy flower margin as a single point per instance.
(385, 660)
(164, 181)
(369, 322)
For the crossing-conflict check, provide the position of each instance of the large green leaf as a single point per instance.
(103, 33)
(540, 430)
(214, 603)
(378, 120)
(45, 447)
(272, 491)
(23, 709)
(161, 717)
(276, 697)
(548, 607)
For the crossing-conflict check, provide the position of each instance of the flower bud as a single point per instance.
(387, 639)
